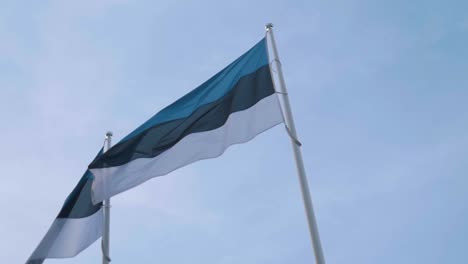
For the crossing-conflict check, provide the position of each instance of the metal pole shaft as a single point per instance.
(319, 258)
(106, 206)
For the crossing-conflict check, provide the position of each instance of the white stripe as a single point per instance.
(240, 127)
(69, 236)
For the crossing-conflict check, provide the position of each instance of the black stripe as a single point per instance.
(245, 93)
(78, 204)
(35, 261)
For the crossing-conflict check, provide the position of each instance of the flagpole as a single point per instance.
(291, 128)
(106, 206)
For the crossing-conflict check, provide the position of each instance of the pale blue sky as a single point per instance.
(379, 91)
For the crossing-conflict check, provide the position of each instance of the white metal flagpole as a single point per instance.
(290, 127)
(106, 206)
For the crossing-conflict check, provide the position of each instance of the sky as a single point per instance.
(379, 91)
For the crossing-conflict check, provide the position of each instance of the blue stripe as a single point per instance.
(210, 91)
(79, 204)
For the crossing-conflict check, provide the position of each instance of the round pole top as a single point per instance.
(268, 26)
(109, 134)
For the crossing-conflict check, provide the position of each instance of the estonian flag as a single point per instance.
(76, 227)
(232, 107)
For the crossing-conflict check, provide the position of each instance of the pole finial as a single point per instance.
(268, 26)
(109, 134)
